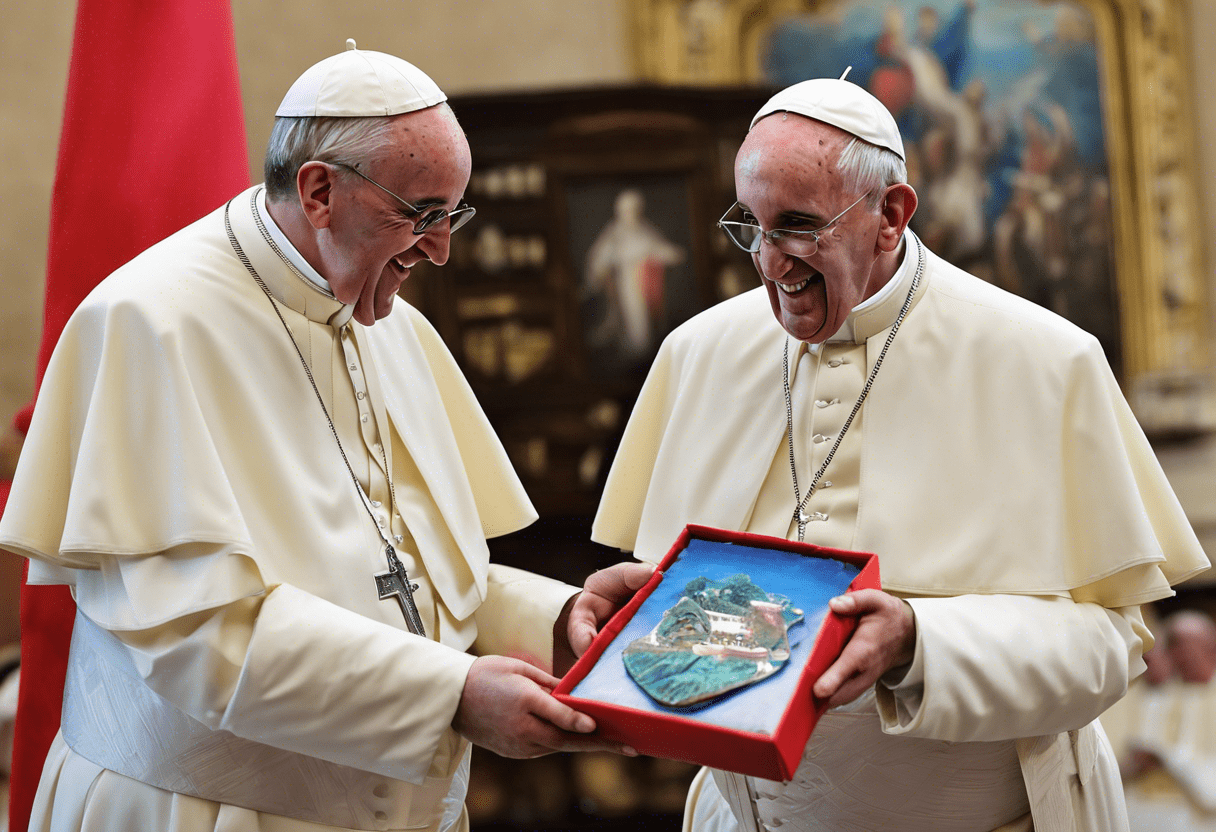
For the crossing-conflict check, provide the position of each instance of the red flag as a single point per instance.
(153, 138)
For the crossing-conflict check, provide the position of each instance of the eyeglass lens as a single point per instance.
(459, 216)
(747, 237)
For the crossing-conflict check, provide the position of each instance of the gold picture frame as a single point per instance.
(1150, 137)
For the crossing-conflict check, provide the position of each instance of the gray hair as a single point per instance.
(871, 168)
(294, 141)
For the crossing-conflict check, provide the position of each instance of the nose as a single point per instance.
(436, 244)
(771, 261)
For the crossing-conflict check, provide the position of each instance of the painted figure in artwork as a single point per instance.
(626, 268)
(999, 104)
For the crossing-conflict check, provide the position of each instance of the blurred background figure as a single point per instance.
(1164, 730)
(626, 267)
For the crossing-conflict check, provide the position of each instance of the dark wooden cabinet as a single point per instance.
(595, 236)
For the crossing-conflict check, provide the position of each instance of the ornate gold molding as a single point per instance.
(704, 41)
(1160, 270)
(1147, 97)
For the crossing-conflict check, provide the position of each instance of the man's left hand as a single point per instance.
(604, 592)
(885, 638)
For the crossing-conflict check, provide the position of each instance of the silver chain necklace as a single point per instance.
(800, 517)
(396, 581)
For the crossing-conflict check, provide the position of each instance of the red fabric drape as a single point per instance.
(153, 138)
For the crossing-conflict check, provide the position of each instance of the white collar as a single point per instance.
(290, 251)
(898, 283)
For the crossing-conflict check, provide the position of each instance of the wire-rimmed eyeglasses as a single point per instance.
(426, 220)
(747, 235)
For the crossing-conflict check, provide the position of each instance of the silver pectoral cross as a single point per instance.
(397, 582)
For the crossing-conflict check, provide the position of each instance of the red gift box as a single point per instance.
(672, 733)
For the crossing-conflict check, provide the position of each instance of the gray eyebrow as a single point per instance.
(424, 205)
(815, 218)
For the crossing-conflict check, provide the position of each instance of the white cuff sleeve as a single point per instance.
(518, 615)
(321, 680)
(999, 667)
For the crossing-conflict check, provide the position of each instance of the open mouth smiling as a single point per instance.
(796, 288)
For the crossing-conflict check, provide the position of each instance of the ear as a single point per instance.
(898, 206)
(314, 183)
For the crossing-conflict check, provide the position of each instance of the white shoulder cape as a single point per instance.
(175, 412)
(999, 454)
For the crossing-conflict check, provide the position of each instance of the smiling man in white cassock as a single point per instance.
(273, 514)
(871, 396)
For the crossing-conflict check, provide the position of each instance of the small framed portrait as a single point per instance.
(631, 249)
(631, 198)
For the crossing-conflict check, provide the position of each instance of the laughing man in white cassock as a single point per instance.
(871, 396)
(273, 514)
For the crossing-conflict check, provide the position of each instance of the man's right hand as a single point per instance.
(507, 706)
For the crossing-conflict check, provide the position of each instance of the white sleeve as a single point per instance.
(1001, 667)
(518, 615)
(296, 672)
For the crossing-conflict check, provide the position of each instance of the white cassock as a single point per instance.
(998, 474)
(231, 657)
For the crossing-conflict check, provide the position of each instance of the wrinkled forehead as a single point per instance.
(425, 139)
(788, 145)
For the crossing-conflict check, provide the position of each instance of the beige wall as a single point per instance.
(465, 45)
(33, 72)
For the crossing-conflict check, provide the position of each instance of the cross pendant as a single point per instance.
(396, 582)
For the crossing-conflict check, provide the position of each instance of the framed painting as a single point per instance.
(1050, 143)
(630, 196)
(630, 235)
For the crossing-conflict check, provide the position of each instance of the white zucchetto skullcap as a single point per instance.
(358, 83)
(842, 104)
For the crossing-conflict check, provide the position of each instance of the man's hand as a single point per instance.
(604, 592)
(885, 638)
(506, 707)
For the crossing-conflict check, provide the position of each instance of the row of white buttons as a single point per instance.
(819, 438)
(360, 395)
(380, 791)
(380, 521)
